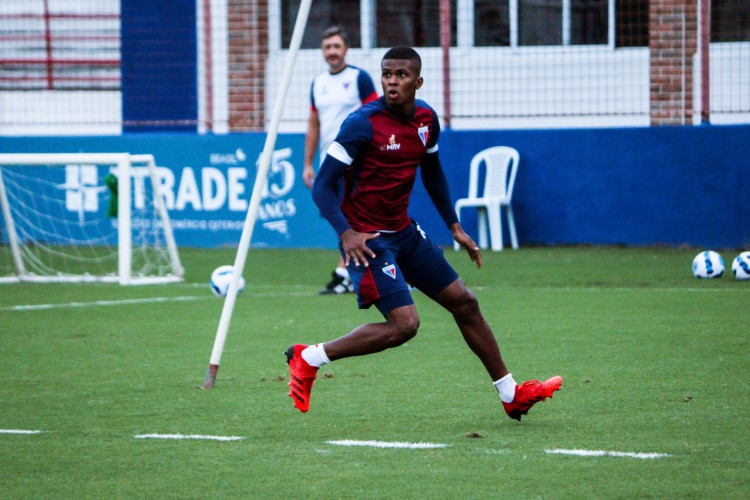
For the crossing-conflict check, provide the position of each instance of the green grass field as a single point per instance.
(654, 361)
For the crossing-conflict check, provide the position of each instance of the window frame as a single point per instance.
(464, 26)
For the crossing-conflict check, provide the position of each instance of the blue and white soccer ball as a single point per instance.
(741, 266)
(220, 279)
(708, 264)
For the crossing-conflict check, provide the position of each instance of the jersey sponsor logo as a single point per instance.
(392, 144)
(390, 270)
(424, 134)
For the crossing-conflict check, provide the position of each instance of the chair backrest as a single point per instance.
(501, 165)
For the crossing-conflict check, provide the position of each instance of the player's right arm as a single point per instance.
(354, 135)
(311, 145)
(325, 196)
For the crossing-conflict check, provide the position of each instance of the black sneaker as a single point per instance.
(338, 285)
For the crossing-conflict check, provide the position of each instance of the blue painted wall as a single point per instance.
(159, 68)
(639, 186)
(636, 186)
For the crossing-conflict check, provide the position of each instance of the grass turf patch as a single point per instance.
(654, 361)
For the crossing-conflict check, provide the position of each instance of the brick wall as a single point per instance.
(248, 50)
(673, 41)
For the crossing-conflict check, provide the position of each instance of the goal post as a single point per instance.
(161, 212)
(72, 217)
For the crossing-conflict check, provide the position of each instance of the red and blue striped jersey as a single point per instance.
(383, 152)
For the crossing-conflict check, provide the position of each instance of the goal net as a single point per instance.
(84, 217)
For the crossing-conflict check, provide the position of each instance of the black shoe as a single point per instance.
(338, 285)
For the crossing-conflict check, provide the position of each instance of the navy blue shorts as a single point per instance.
(405, 258)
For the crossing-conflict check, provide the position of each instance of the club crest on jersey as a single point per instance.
(390, 271)
(424, 134)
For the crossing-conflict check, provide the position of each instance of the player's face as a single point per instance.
(334, 52)
(400, 81)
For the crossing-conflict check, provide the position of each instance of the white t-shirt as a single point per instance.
(334, 97)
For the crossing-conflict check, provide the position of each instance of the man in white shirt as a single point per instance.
(334, 94)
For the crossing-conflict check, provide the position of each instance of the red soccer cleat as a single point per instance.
(531, 392)
(301, 377)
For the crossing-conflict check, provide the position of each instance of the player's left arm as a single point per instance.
(436, 185)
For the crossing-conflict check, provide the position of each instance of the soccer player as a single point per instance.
(333, 95)
(377, 152)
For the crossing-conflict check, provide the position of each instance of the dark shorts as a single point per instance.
(405, 258)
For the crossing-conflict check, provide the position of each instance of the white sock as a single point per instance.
(315, 355)
(341, 271)
(506, 387)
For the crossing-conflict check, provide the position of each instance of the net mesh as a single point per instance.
(66, 225)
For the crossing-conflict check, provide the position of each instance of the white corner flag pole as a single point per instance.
(260, 183)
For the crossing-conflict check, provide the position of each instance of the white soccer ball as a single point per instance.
(741, 266)
(220, 279)
(708, 264)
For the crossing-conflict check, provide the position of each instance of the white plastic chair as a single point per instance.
(501, 165)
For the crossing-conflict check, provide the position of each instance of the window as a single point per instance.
(536, 22)
(491, 23)
(396, 22)
(588, 22)
(415, 23)
(323, 14)
(631, 23)
(560, 22)
(730, 21)
(540, 22)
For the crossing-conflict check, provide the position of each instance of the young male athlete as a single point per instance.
(377, 152)
(333, 95)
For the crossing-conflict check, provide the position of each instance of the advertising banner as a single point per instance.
(661, 185)
(206, 183)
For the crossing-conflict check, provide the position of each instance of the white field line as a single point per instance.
(300, 293)
(151, 300)
(604, 453)
(387, 444)
(18, 431)
(188, 436)
(97, 303)
(603, 289)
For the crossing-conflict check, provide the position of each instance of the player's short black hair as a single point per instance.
(336, 30)
(407, 53)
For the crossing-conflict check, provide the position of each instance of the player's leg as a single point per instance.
(426, 268)
(400, 326)
(347, 283)
(382, 284)
(340, 282)
(463, 305)
(517, 400)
